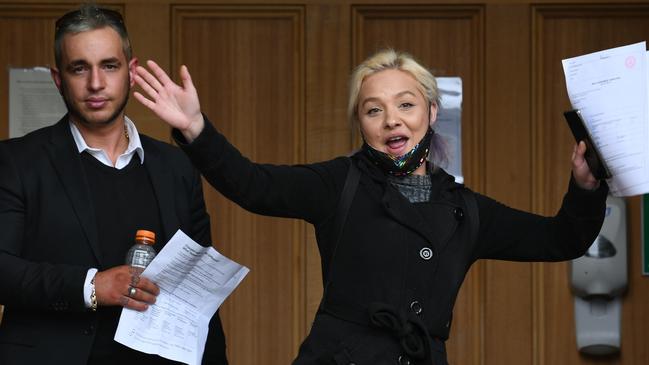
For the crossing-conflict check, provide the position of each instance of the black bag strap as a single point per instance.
(346, 197)
(472, 210)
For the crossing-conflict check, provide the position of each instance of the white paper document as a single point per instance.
(194, 281)
(610, 89)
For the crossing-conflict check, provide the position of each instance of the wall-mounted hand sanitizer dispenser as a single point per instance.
(598, 280)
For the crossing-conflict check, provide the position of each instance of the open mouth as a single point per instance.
(396, 144)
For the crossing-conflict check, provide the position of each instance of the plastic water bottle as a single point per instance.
(142, 253)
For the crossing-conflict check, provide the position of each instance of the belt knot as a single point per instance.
(408, 328)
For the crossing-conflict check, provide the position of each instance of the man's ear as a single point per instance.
(132, 65)
(433, 113)
(56, 77)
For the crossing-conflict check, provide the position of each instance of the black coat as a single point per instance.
(49, 241)
(398, 266)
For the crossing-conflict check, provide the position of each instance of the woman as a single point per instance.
(396, 248)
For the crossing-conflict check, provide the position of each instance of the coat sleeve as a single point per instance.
(23, 283)
(510, 234)
(307, 192)
(201, 231)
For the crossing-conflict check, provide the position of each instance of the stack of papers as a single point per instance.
(610, 89)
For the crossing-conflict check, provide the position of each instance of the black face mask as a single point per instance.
(401, 165)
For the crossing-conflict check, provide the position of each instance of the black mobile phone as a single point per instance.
(593, 157)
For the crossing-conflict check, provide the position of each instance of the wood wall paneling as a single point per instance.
(560, 32)
(508, 292)
(635, 317)
(327, 128)
(249, 61)
(150, 34)
(449, 40)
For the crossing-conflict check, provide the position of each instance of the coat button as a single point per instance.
(458, 213)
(403, 360)
(426, 253)
(416, 307)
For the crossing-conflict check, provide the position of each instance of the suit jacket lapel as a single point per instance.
(163, 186)
(67, 163)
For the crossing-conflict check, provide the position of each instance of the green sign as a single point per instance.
(645, 234)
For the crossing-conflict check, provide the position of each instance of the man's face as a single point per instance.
(95, 78)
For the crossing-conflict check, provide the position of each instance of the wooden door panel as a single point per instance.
(248, 64)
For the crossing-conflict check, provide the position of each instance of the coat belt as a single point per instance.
(410, 330)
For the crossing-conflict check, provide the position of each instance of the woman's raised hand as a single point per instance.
(177, 105)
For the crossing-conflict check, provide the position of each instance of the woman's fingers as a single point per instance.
(160, 74)
(149, 79)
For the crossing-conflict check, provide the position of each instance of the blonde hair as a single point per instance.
(389, 59)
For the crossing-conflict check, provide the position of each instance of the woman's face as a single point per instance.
(392, 112)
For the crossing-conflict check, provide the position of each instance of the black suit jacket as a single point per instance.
(48, 241)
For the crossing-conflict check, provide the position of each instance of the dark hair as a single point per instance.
(89, 17)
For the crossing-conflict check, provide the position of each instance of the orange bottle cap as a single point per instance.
(145, 236)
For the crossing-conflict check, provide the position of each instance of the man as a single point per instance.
(72, 196)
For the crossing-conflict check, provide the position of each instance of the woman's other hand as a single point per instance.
(177, 105)
(580, 170)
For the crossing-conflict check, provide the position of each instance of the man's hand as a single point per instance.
(113, 287)
(580, 170)
(176, 105)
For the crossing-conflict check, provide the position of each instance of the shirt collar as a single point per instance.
(134, 143)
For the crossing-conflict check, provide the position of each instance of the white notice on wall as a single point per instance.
(34, 100)
(449, 122)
